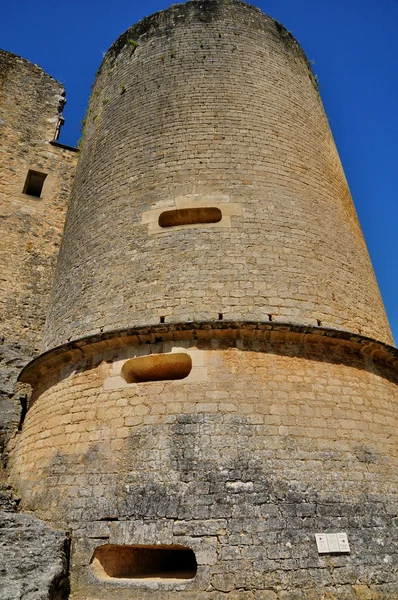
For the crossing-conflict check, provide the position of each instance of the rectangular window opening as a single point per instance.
(190, 216)
(34, 183)
(157, 367)
(144, 562)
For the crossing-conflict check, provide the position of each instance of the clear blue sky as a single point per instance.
(354, 44)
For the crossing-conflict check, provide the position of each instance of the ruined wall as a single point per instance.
(210, 104)
(31, 105)
(271, 438)
(33, 557)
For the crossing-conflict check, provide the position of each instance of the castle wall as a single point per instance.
(33, 557)
(210, 104)
(30, 227)
(31, 105)
(270, 439)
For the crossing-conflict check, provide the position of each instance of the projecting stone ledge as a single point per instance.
(33, 559)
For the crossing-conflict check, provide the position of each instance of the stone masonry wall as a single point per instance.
(30, 228)
(31, 104)
(276, 434)
(261, 447)
(212, 104)
(33, 557)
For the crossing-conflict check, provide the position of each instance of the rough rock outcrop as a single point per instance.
(33, 559)
(13, 356)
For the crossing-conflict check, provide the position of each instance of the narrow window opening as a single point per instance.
(269, 317)
(319, 323)
(157, 367)
(34, 183)
(220, 316)
(162, 319)
(144, 562)
(190, 216)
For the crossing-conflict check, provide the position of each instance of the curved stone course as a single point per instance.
(84, 349)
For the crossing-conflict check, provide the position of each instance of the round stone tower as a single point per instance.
(217, 386)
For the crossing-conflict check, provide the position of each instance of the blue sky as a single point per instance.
(354, 44)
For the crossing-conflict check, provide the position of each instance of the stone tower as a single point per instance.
(217, 385)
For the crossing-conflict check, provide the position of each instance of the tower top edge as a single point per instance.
(206, 11)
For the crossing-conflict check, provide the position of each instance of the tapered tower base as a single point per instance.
(218, 481)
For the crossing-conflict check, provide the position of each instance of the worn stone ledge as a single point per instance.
(274, 333)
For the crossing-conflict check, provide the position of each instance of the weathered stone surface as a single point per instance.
(8, 502)
(13, 401)
(33, 559)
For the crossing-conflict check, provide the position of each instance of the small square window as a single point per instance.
(34, 183)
